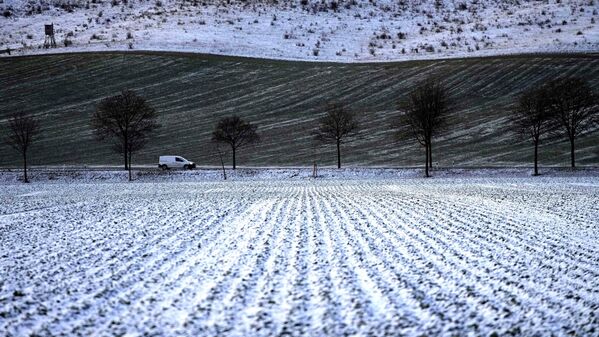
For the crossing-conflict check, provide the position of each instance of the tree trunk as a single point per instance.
(222, 162)
(125, 157)
(126, 150)
(426, 160)
(25, 179)
(430, 155)
(572, 153)
(234, 165)
(338, 154)
(129, 165)
(536, 157)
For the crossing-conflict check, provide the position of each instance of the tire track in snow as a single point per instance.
(440, 273)
(335, 292)
(263, 313)
(510, 228)
(369, 302)
(174, 244)
(224, 264)
(505, 286)
(240, 290)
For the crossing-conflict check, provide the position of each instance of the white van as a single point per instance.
(169, 162)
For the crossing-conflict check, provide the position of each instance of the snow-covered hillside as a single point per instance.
(332, 30)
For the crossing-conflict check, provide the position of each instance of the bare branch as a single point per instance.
(573, 107)
(425, 114)
(338, 126)
(127, 119)
(23, 132)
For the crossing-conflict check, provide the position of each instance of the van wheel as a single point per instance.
(163, 167)
(186, 167)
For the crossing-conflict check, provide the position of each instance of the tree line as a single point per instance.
(565, 108)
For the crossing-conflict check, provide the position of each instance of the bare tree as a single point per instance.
(532, 118)
(127, 119)
(573, 107)
(425, 114)
(338, 125)
(235, 132)
(23, 131)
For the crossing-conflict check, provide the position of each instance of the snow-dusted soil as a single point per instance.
(348, 31)
(151, 174)
(365, 257)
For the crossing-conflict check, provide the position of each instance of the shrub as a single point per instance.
(383, 36)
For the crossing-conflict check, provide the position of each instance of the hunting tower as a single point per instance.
(49, 41)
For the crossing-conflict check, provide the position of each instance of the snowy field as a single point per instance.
(468, 256)
(332, 30)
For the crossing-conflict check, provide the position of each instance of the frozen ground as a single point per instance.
(368, 257)
(336, 30)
